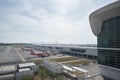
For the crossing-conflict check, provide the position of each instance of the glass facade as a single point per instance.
(78, 50)
(109, 38)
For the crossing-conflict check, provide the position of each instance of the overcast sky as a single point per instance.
(48, 21)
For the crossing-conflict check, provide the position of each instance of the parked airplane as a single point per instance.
(26, 49)
(39, 53)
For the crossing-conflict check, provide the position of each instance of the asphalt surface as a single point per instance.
(8, 55)
(12, 54)
(25, 55)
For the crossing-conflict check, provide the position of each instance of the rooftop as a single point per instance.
(24, 69)
(26, 64)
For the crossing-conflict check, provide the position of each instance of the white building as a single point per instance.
(105, 24)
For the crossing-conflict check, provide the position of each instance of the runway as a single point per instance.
(11, 55)
(8, 55)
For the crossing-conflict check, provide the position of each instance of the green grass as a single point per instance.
(25, 77)
(38, 61)
(65, 59)
(83, 62)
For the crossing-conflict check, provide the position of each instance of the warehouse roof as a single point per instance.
(26, 65)
(6, 76)
(24, 69)
(67, 68)
(7, 69)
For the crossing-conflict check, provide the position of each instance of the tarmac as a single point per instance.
(8, 55)
(12, 55)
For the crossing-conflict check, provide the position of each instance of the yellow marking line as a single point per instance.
(20, 56)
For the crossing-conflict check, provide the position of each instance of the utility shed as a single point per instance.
(52, 66)
(7, 69)
(25, 74)
(32, 66)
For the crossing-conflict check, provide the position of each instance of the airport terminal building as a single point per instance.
(105, 24)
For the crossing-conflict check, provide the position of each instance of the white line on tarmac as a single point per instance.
(20, 56)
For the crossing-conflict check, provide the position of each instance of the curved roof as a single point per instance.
(102, 14)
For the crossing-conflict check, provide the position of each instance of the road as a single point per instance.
(25, 55)
(20, 55)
